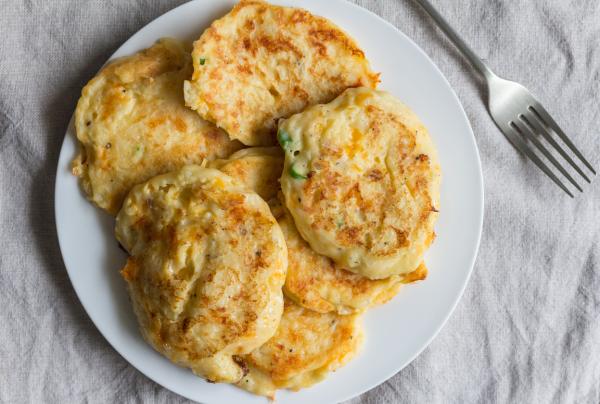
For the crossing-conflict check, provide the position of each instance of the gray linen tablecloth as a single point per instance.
(527, 329)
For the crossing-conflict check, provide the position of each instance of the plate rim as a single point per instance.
(480, 201)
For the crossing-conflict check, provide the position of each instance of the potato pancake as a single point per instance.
(207, 264)
(262, 62)
(306, 347)
(361, 180)
(132, 124)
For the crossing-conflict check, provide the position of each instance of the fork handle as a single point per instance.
(475, 61)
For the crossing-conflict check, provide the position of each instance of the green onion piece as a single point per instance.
(202, 61)
(283, 138)
(296, 175)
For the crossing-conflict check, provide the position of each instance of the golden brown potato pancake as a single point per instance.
(262, 62)
(207, 264)
(306, 347)
(132, 124)
(361, 179)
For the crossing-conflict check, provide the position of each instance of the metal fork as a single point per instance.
(516, 112)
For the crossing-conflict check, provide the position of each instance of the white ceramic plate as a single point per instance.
(396, 332)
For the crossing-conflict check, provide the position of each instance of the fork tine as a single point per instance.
(514, 138)
(526, 131)
(533, 121)
(547, 120)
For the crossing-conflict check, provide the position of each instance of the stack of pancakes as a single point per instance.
(266, 193)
